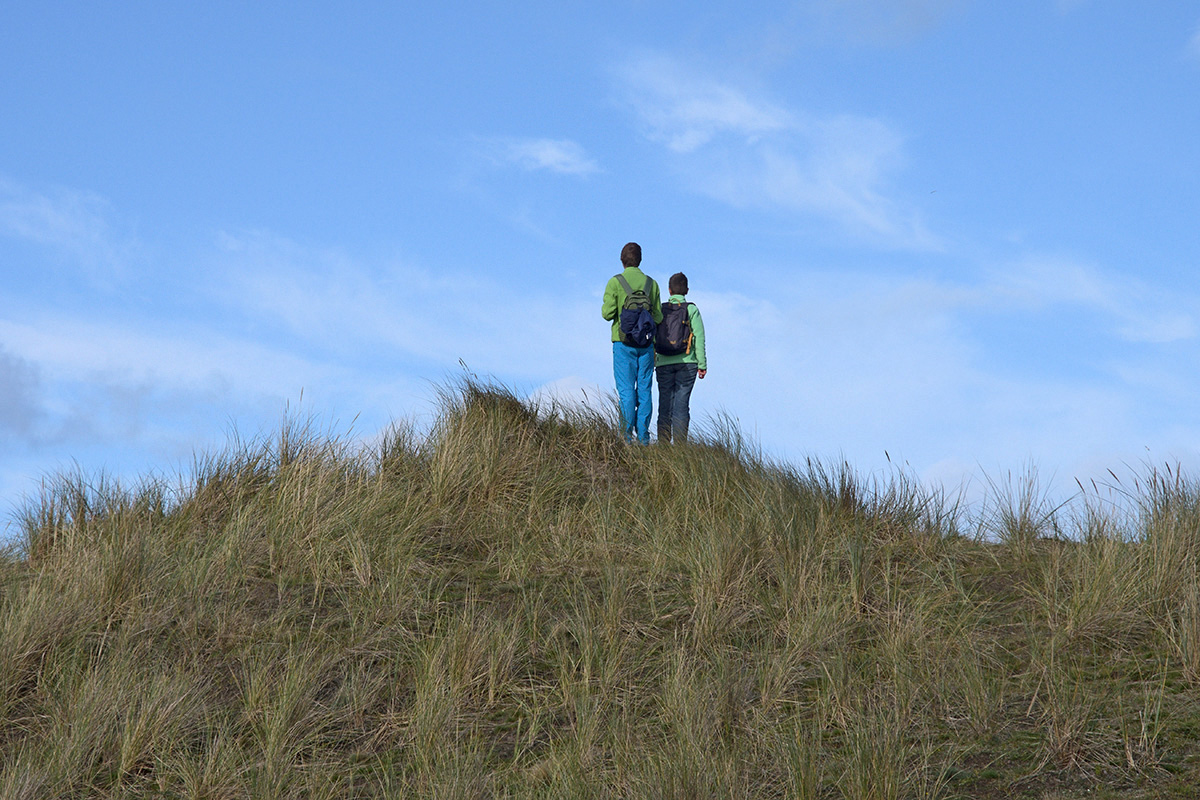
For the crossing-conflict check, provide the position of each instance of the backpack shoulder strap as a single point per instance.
(624, 284)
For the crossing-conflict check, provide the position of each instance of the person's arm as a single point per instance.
(656, 303)
(611, 304)
(698, 339)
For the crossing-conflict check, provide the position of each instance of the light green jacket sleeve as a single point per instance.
(698, 334)
(612, 299)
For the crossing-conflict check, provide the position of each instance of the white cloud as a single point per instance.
(750, 152)
(562, 156)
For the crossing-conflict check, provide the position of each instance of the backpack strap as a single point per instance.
(624, 284)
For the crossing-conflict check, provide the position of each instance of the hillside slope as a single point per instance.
(519, 605)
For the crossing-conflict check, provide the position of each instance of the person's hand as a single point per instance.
(701, 373)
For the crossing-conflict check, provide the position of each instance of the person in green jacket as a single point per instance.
(677, 373)
(633, 367)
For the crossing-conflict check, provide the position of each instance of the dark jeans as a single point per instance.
(675, 382)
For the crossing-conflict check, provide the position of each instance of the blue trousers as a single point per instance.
(675, 382)
(633, 368)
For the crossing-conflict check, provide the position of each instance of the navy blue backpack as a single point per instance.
(637, 323)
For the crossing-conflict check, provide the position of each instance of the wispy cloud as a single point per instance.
(190, 356)
(742, 149)
(348, 309)
(685, 111)
(1134, 311)
(79, 225)
(562, 156)
(1193, 45)
(491, 163)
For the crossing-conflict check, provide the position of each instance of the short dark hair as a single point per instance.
(678, 283)
(631, 254)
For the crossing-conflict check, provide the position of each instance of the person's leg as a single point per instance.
(645, 382)
(666, 391)
(684, 383)
(625, 374)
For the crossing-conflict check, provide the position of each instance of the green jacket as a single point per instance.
(696, 355)
(614, 298)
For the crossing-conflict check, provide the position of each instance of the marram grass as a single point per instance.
(518, 605)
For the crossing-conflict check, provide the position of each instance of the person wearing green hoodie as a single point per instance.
(677, 373)
(633, 367)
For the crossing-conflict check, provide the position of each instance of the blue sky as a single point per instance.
(959, 235)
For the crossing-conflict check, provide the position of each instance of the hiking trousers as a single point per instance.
(633, 368)
(675, 383)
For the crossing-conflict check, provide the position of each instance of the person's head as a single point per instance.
(631, 254)
(678, 283)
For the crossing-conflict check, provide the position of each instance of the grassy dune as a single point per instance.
(516, 605)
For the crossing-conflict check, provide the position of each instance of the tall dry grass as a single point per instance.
(518, 604)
